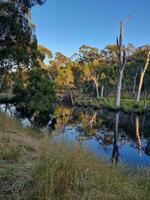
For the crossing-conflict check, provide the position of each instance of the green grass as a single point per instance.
(34, 168)
(127, 105)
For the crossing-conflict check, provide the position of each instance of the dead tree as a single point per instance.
(121, 65)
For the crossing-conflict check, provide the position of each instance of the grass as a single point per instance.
(127, 105)
(73, 173)
(34, 168)
(18, 153)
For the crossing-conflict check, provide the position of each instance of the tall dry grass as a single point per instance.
(69, 173)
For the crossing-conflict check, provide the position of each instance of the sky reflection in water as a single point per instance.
(101, 133)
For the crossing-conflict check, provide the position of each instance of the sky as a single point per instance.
(65, 25)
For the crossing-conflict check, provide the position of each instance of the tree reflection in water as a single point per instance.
(115, 152)
(116, 135)
(137, 133)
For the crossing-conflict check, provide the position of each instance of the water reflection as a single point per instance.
(31, 119)
(115, 136)
(115, 152)
(147, 147)
(137, 133)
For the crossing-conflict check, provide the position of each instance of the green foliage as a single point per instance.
(88, 54)
(30, 3)
(44, 53)
(36, 96)
(17, 41)
(17, 34)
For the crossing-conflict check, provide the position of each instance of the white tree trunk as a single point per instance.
(140, 86)
(97, 88)
(97, 91)
(118, 89)
(102, 91)
(72, 98)
(142, 77)
(121, 65)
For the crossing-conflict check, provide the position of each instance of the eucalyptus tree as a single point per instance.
(138, 70)
(44, 57)
(61, 72)
(93, 62)
(142, 74)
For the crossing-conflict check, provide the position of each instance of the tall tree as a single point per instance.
(143, 71)
(121, 65)
(92, 60)
(18, 44)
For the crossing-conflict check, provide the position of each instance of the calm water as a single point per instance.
(115, 136)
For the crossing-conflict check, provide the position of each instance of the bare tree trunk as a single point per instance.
(97, 91)
(72, 98)
(142, 77)
(102, 91)
(121, 65)
(96, 82)
(118, 90)
(97, 88)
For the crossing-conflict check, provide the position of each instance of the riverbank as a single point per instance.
(34, 168)
(7, 98)
(127, 105)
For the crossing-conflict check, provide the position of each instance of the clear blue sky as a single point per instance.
(65, 25)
